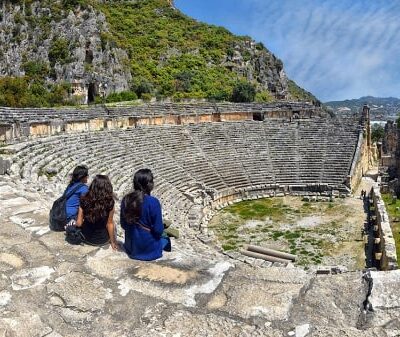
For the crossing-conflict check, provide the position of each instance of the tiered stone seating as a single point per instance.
(98, 111)
(187, 160)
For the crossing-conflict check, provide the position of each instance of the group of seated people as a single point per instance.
(91, 210)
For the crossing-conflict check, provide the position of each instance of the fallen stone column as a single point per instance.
(271, 252)
(263, 256)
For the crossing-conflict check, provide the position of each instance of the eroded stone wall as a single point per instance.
(15, 131)
(364, 158)
(385, 251)
(16, 124)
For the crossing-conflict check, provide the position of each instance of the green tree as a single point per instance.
(59, 51)
(243, 92)
(398, 121)
(143, 87)
(378, 132)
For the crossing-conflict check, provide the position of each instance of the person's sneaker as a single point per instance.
(167, 223)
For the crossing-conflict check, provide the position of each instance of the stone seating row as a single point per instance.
(280, 154)
(188, 159)
(288, 156)
(31, 114)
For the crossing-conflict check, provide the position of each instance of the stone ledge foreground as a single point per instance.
(50, 288)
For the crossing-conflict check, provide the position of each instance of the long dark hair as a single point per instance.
(80, 172)
(98, 201)
(142, 184)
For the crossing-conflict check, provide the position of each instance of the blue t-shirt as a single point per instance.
(141, 244)
(73, 202)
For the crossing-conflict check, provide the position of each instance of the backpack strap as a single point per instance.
(69, 195)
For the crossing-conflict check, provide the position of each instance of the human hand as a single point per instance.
(115, 245)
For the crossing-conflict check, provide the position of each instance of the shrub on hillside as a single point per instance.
(378, 132)
(22, 92)
(243, 92)
(59, 51)
(122, 96)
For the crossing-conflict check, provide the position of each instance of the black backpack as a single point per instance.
(74, 235)
(58, 212)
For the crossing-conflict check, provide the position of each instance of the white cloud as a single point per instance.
(336, 49)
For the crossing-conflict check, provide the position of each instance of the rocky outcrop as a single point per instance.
(71, 43)
(64, 45)
(254, 62)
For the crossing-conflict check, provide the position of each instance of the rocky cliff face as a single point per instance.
(102, 47)
(67, 45)
(252, 61)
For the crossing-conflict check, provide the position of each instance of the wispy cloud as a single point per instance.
(337, 49)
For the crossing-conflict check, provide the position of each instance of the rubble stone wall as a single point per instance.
(386, 245)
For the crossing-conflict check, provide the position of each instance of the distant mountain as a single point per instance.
(381, 108)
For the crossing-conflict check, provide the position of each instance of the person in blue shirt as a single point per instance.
(141, 218)
(79, 179)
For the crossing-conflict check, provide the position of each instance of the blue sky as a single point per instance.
(337, 49)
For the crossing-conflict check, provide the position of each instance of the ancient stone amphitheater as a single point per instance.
(204, 157)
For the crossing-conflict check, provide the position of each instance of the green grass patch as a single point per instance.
(260, 209)
(292, 235)
(227, 247)
(233, 226)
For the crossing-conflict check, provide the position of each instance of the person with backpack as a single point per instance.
(65, 209)
(95, 214)
(77, 184)
(141, 218)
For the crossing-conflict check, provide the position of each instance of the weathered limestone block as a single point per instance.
(30, 278)
(385, 300)
(67, 291)
(332, 300)
(331, 331)
(178, 277)
(24, 324)
(187, 324)
(5, 165)
(10, 261)
(256, 292)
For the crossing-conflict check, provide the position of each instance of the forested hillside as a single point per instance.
(81, 51)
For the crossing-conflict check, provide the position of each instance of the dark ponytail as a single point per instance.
(142, 184)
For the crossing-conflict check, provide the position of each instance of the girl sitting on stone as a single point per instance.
(78, 185)
(141, 218)
(95, 215)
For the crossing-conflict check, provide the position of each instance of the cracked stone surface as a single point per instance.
(385, 300)
(50, 288)
(69, 289)
(334, 297)
(248, 293)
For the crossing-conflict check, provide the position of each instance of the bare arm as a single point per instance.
(79, 219)
(111, 230)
